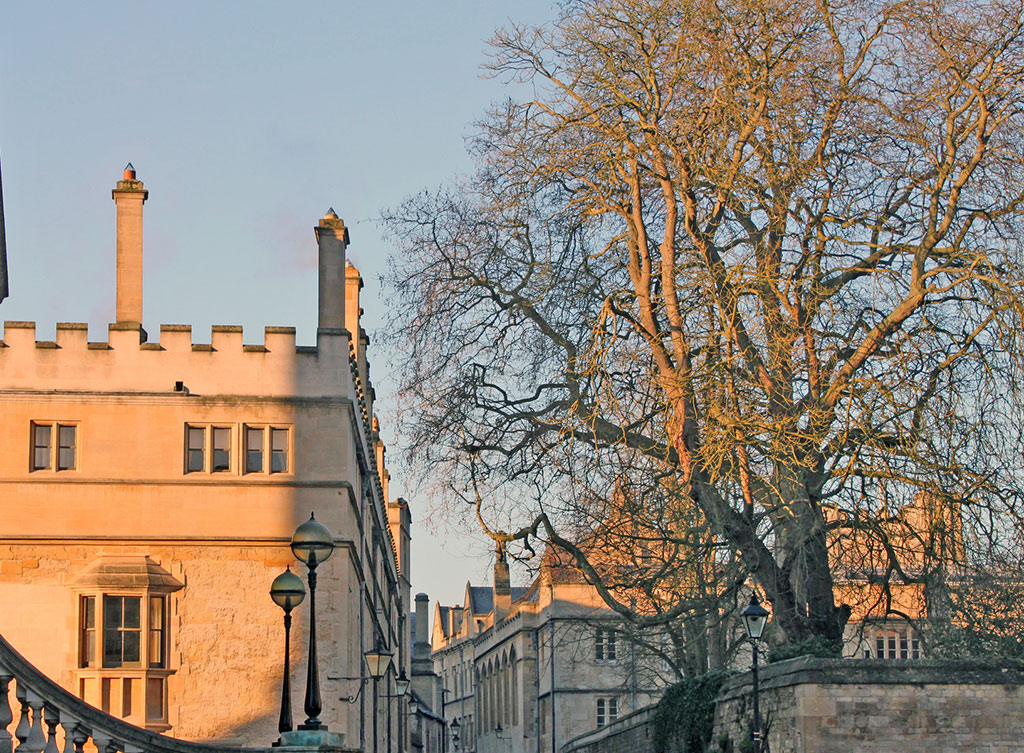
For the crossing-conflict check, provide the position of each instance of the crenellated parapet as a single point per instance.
(127, 362)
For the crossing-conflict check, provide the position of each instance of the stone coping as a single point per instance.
(638, 718)
(807, 670)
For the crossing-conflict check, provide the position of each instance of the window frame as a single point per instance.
(201, 432)
(121, 630)
(267, 451)
(136, 691)
(86, 631)
(53, 446)
(238, 448)
(895, 643)
(96, 635)
(605, 646)
(150, 672)
(607, 711)
(208, 449)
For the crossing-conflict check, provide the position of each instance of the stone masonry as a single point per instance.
(876, 706)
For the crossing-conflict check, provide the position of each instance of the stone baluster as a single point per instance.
(36, 741)
(105, 743)
(6, 717)
(70, 726)
(80, 737)
(52, 718)
(22, 730)
(101, 740)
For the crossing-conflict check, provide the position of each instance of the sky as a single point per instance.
(245, 121)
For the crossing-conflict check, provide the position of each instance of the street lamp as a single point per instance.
(401, 684)
(455, 733)
(378, 660)
(755, 617)
(287, 592)
(312, 543)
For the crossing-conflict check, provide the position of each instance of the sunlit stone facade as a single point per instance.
(528, 669)
(150, 487)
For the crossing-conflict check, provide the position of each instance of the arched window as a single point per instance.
(514, 685)
(479, 701)
(492, 695)
(502, 692)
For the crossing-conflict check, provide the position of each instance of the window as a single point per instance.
(196, 452)
(605, 645)
(122, 625)
(253, 450)
(279, 450)
(896, 644)
(265, 449)
(123, 638)
(198, 439)
(607, 711)
(53, 446)
(87, 631)
(122, 631)
(221, 449)
(157, 630)
(266, 442)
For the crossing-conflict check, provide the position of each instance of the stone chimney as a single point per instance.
(502, 586)
(353, 284)
(421, 647)
(332, 240)
(129, 196)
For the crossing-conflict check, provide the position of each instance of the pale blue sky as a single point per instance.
(246, 121)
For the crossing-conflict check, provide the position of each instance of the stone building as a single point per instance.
(150, 488)
(526, 669)
(923, 540)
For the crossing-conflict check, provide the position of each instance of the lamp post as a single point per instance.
(755, 617)
(287, 592)
(455, 733)
(402, 683)
(378, 659)
(312, 544)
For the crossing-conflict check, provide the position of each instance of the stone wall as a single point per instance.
(630, 734)
(876, 706)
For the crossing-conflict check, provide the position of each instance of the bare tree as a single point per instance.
(735, 264)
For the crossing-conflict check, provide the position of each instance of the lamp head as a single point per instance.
(312, 542)
(378, 659)
(287, 590)
(755, 617)
(402, 683)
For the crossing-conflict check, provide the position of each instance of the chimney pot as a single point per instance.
(129, 172)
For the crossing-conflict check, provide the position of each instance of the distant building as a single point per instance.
(150, 489)
(922, 540)
(527, 669)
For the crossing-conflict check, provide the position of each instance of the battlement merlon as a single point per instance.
(276, 368)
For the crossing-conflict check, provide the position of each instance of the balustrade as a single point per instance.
(52, 720)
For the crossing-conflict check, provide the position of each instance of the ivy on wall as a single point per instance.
(818, 646)
(684, 717)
